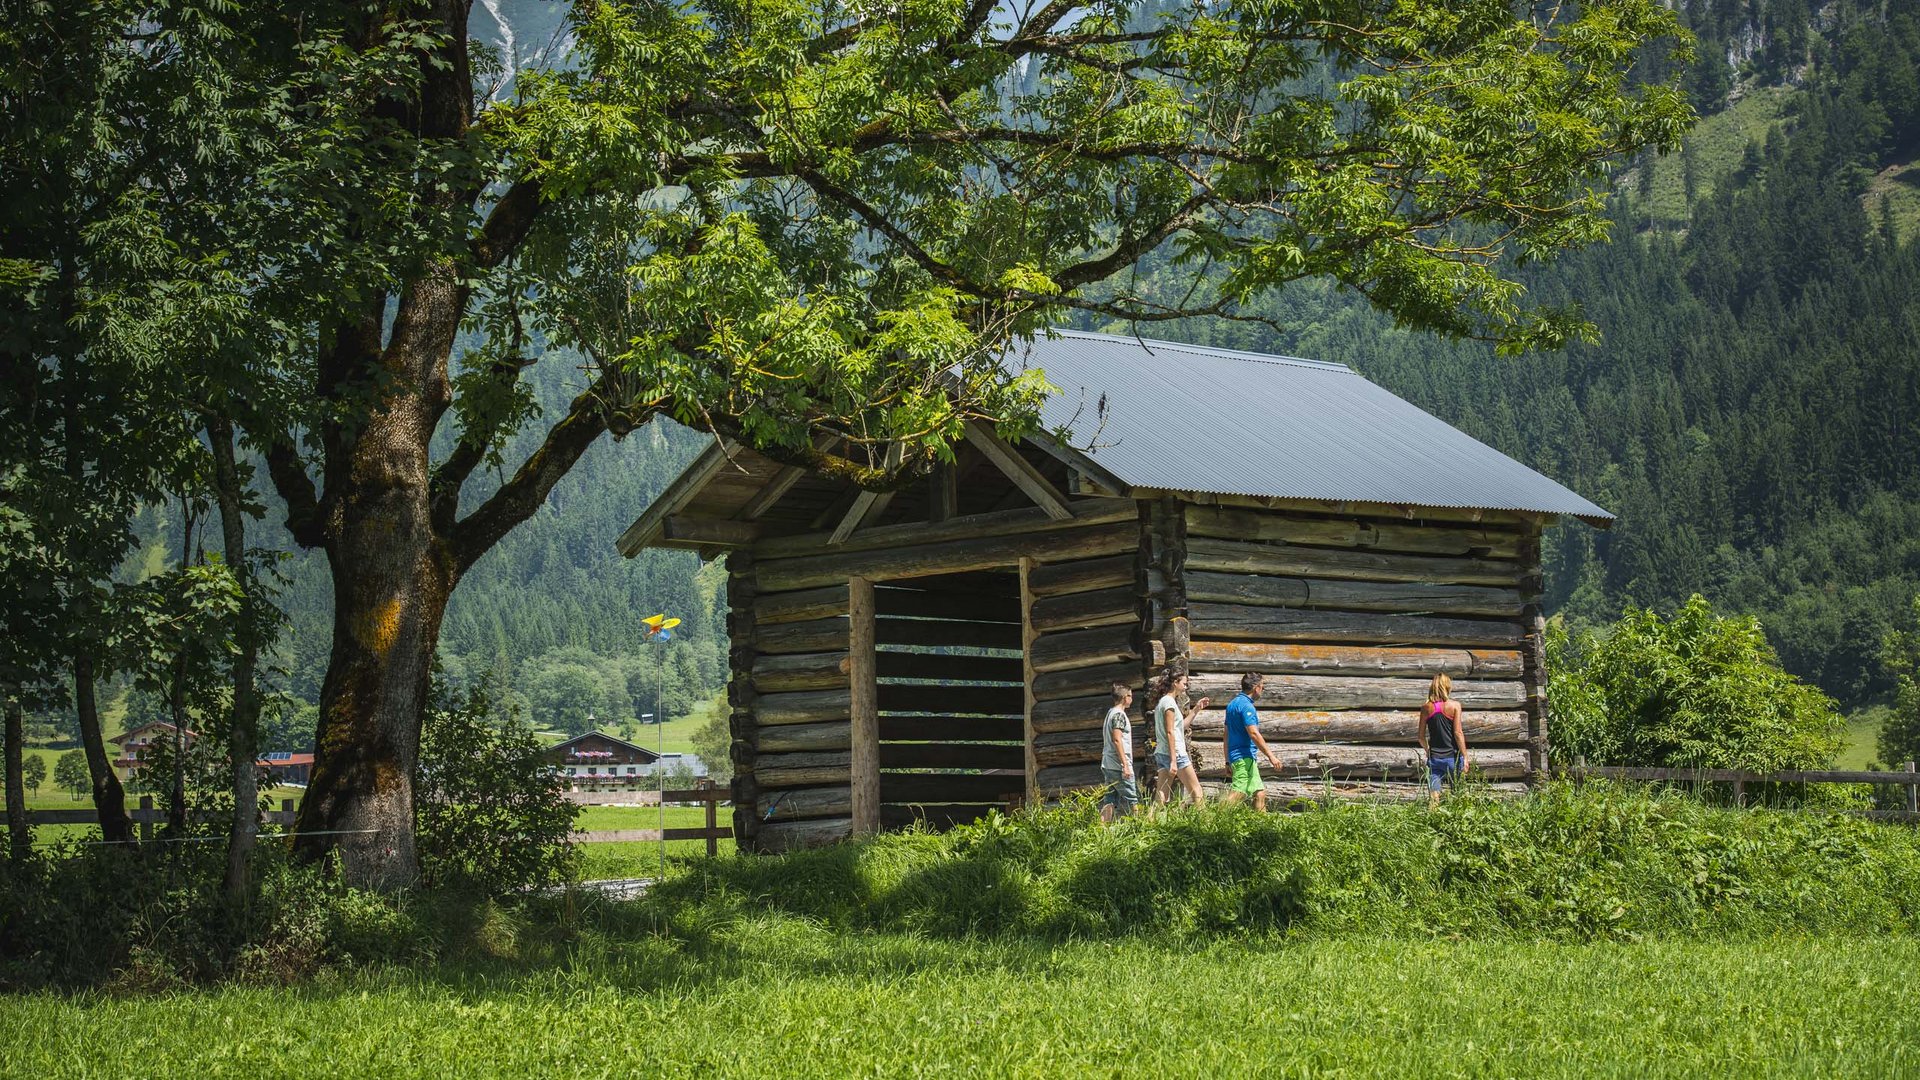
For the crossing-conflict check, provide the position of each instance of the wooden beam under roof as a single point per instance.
(866, 507)
(708, 531)
(647, 528)
(1028, 479)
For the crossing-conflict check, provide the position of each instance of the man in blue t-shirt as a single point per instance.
(1243, 735)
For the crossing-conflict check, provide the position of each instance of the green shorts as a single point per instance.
(1246, 777)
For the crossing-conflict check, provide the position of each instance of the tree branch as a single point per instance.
(288, 469)
(507, 224)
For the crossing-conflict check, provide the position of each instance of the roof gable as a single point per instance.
(596, 739)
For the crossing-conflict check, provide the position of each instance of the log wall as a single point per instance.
(1349, 618)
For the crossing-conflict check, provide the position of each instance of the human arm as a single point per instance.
(1420, 726)
(1125, 752)
(1260, 741)
(1460, 737)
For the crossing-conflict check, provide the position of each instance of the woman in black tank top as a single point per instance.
(1443, 739)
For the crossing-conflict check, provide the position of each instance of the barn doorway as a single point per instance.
(949, 696)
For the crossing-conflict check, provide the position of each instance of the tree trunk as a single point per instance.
(19, 840)
(243, 743)
(109, 798)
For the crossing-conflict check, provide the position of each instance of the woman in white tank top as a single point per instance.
(1170, 729)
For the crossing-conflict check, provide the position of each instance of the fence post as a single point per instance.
(146, 818)
(1740, 793)
(1913, 792)
(286, 808)
(713, 815)
(1579, 767)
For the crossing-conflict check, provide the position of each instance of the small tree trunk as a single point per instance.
(243, 743)
(19, 839)
(177, 700)
(109, 798)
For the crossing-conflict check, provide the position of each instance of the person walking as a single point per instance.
(1242, 739)
(1443, 740)
(1170, 728)
(1116, 757)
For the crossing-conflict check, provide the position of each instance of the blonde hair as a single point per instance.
(1441, 689)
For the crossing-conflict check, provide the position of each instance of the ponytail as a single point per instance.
(1441, 688)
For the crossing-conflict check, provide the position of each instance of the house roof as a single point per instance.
(1184, 418)
(151, 725)
(562, 747)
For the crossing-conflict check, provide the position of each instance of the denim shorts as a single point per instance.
(1122, 793)
(1442, 769)
(1160, 761)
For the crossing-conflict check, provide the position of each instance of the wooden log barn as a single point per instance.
(948, 649)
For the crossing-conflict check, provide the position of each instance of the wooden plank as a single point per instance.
(1083, 682)
(714, 532)
(810, 769)
(814, 635)
(950, 728)
(1019, 522)
(1077, 611)
(803, 606)
(867, 506)
(947, 632)
(1084, 575)
(1307, 761)
(949, 666)
(1391, 512)
(1410, 597)
(1028, 479)
(865, 708)
(943, 493)
(971, 607)
(796, 803)
(1292, 560)
(921, 559)
(775, 490)
(1347, 692)
(646, 528)
(1070, 714)
(803, 707)
(1246, 622)
(1454, 539)
(1370, 660)
(833, 735)
(907, 755)
(778, 836)
(1483, 727)
(902, 787)
(950, 700)
(800, 671)
(1084, 648)
(1029, 762)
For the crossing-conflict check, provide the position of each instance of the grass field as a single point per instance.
(1718, 144)
(1862, 737)
(781, 997)
(599, 862)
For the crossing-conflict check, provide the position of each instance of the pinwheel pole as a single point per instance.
(660, 629)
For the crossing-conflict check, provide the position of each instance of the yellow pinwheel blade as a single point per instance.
(653, 621)
(670, 624)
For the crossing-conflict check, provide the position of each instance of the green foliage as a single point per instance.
(1698, 690)
(70, 772)
(33, 773)
(713, 740)
(1900, 735)
(491, 813)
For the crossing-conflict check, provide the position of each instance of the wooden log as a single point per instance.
(906, 787)
(951, 700)
(1293, 560)
(1079, 747)
(1245, 622)
(1085, 648)
(890, 631)
(1070, 714)
(1029, 765)
(1452, 539)
(921, 559)
(803, 606)
(1282, 792)
(1371, 660)
(795, 803)
(949, 666)
(1394, 513)
(950, 729)
(778, 836)
(1483, 727)
(943, 493)
(1344, 692)
(1061, 779)
(835, 735)
(1084, 575)
(1002, 523)
(864, 707)
(1073, 611)
(923, 604)
(1082, 682)
(814, 635)
(803, 707)
(1001, 583)
(1413, 596)
(952, 756)
(1307, 761)
(741, 725)
(800, 671)
(810, 769)
(717, 532)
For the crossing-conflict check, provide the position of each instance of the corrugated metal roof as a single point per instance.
(1188, 418)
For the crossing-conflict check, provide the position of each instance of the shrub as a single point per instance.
(1695, 691)
(1900, 735)
(491, 814)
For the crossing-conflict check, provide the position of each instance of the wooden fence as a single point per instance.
(146, 816)
(1905, 776)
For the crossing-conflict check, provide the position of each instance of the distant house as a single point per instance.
(137, 745)
(598, 759)
(286, 767)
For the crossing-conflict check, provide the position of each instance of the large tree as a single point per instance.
(801, 226)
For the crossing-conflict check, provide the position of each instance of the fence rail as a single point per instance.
(1905, 776)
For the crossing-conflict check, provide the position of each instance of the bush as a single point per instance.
(491, 814)
(1900, 735)
(1694, 691)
